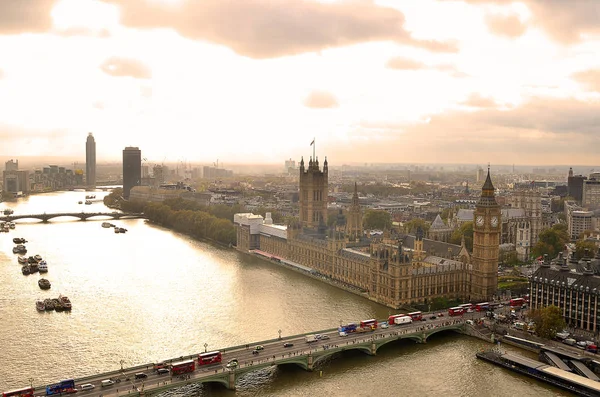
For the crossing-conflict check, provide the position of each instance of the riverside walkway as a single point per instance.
(292, 350)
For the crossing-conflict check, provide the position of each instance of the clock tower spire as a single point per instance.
(486, 243)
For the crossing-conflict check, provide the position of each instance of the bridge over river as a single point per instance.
(296, 351)
(83, 216)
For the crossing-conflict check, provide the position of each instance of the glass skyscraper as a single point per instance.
(90, 161)
(132, 169)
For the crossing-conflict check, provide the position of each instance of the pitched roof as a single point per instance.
(438, 224)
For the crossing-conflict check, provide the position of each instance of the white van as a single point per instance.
(87, 386)
(107, 382)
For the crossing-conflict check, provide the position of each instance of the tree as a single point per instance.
(377, 219)
(412, 225)
(551, 241)
(548, 321)
(466, 230)
(581, 245)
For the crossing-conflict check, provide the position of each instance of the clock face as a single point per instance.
(479, 220)
(494, 221)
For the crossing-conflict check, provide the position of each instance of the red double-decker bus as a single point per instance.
(416, 316)
(466, 306)
(482, 307)
(517, 302)
(183, 367)
(394, 317)
(372, 323)
(456, 311)
(26, 392)
(209, 358)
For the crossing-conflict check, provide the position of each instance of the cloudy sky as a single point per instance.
(470, 81)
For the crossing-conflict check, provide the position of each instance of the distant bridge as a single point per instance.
(83, 216)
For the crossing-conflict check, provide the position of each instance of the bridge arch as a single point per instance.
(328, 353)
(434, 331)
(413, 337)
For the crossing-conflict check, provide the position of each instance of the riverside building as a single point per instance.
(395, 271)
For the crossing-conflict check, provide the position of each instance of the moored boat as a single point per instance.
(19, 240)
(122, 230)
(33, 267)
(11, 225)
(49, 303)
(117, 230)
(8, 211)
(65, 302)
(57, 305)
(37, 257)
(20, 249)
(43, 267)
(88, 202)
(31, 260)
(22, 260)
(80, 202)
(40, 305)
(26, 270)
(106, 224)
(44, 283)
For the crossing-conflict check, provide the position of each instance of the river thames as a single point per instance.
(153, 294)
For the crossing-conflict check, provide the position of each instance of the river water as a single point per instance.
(153, 294)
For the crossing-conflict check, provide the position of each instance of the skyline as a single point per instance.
(472, 81)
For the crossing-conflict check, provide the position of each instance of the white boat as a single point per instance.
(106, 224)
(40, 305)
(37, 257)
(11, 225)
(88, 202)
(43, 267)
(22, 260)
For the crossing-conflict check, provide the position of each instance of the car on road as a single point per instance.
(384, 325)
(432, 317)
(440, 314)
(259, 347)
(162, 371)
(255, 351)
(140, 375)
(233, 363)
(107, 382)
(87, 386)
(288, 344)
(318, 336)
(423, 319)
(324, 337)
(342, 333)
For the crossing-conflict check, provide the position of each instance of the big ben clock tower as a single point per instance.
(486, 243)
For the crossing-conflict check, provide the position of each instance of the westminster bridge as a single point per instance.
(292, 350)
(83, 216)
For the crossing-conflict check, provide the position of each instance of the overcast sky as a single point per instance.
(471, 81)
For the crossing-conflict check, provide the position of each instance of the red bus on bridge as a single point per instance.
(183, 367)
(517, 302)
(372, 323)
(456, 311)
(416, 316)
(466, 306)
(26, 392)
(482, 307)
(209, 358)
(393, 317)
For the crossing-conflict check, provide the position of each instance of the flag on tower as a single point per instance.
(313, 142)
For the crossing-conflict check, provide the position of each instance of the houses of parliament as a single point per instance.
(395, 271)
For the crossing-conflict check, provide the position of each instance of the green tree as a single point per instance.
(548, 321)
(377, 219)
(551, 241)
(466, 230)
(412, 225)
(581, 245)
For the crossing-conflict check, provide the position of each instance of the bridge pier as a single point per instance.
(310, 361)
(231, 380)
(373, 348)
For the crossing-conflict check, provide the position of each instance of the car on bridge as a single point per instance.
(233, 363)
(162, 371)
(259, 347)
(288, 344)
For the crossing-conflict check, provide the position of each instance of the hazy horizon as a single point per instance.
(247, 81)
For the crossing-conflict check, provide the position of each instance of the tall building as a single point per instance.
(575, 186)
(480, 174)
(591, 193)
(354, 217)
(14, 180)
(486, 242)
(313, 194)
(90, 161)
(132, 169)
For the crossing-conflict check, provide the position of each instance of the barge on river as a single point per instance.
(546, 373)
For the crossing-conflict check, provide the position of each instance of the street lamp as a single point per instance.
(205, 346)
(31, 382)
(122, 362)
(279, 334)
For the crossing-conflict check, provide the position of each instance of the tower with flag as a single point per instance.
(313, 192)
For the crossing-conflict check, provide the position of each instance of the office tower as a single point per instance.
(90, 161)
(132, 169)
